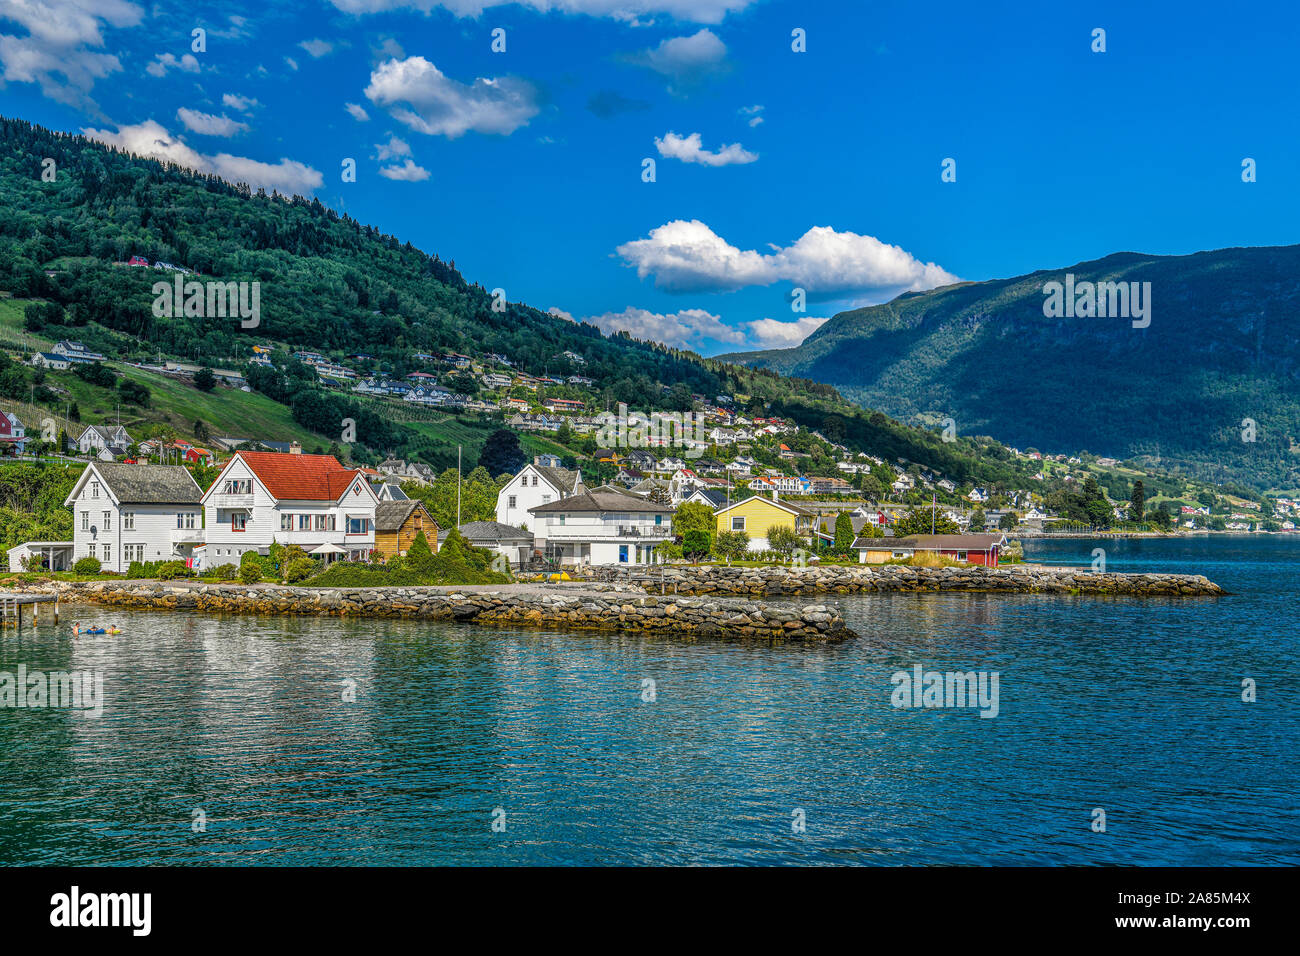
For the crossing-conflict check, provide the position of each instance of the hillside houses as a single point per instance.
(104, 441)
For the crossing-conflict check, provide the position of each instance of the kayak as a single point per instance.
(100, 630)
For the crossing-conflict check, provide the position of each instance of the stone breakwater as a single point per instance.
(841, 579)
(579, 607)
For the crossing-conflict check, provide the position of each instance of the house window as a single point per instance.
(562, 517)
(108, 553)
(238, 520)
(622, 554)
(286, 522)
(239, 486)
(961, 555)
(510, 502)
(304, 522)
(185, 520)
(85, 521)
(738, 523)
(322, 522)
(94, 489)
(534, 481)
(358, 525)
(107, 519)
(546, 499)
(659, 519)
(128, 520)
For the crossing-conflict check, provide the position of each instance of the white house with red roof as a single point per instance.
(311, 501)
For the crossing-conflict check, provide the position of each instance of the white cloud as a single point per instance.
(236, 102)
(687, 61)
(632, 11)
(392, 149)
(59, 51)
(317, 48)
(690, 257)
(166, 61)
(152, 139)
(208, 124)
(291, 62)
(356, 112)
(775, 334)
(561, 314)
(408, 172)
(689, 149)
(754, 114)
(440, 106)
(683, 329)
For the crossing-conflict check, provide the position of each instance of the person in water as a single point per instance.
(78, 629)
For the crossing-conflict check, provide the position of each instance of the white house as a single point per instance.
(104, 441)
(76, 352)
(311, 501)
(601, 527)
(123, 513)
(535, 485)
(50, 360)
(12, 432)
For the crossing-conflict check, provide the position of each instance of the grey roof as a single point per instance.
(493, 531)
(597, 500)
(563, 478)
(391, 515)
(149, 484)
(715, 497)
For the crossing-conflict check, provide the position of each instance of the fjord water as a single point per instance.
(1131, 706)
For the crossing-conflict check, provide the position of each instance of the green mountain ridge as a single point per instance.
(1221, 348)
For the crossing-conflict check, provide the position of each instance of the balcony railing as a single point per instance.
(188, 535)
(233, 501)
(645, 531)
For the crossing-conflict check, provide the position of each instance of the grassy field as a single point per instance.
(12, 335)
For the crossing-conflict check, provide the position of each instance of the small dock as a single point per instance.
(13, 609)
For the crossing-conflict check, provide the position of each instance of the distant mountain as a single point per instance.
(1222, 346)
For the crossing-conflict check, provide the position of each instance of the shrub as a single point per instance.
(167, 570)
(249, 571)
(223, 572)
(87, 566)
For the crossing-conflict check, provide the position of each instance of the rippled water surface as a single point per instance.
(1132, 706)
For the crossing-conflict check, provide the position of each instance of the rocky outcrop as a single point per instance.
(605, 608)
(840, 579)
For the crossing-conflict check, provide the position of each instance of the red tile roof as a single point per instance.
(300, 477)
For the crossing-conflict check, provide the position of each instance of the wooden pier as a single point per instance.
(12, 605)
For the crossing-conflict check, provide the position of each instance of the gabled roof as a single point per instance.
(783, 505)
(562, 479)
(598, 501)
(391, 515)
(715, 498)
(493, 531)
(300, 477)
(143, 484)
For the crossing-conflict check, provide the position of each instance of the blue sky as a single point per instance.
(774, 169)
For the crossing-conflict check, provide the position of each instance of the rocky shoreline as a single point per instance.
(841, 579)
(608, 607)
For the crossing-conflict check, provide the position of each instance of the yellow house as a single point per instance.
(757, 516)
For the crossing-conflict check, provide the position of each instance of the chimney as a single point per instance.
(295, 448)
